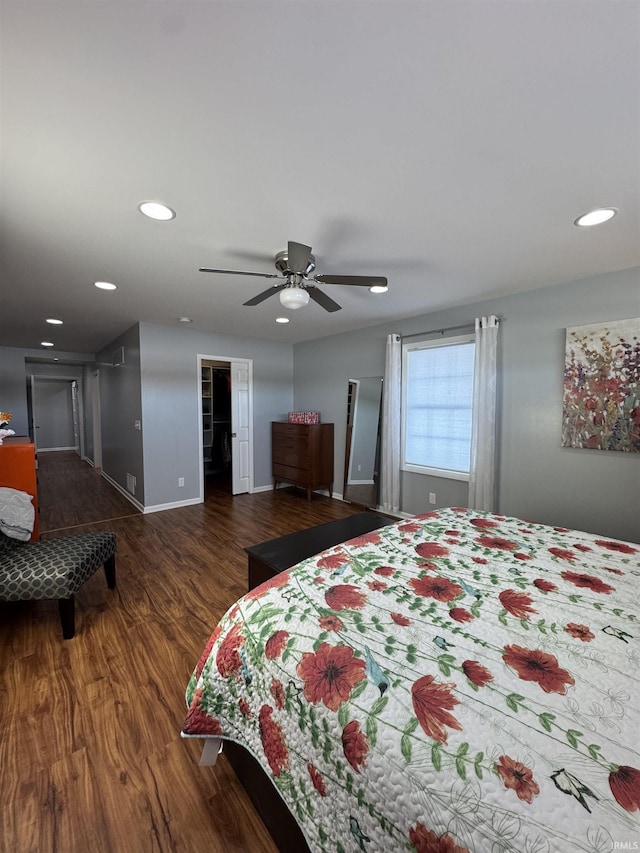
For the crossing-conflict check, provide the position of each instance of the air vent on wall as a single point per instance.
(117, 357)
(131, 484)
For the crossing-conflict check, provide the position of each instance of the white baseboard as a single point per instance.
(123, 492)
(54, 449)
(361, 483)
(174, 505)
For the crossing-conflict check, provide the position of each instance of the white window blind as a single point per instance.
(438, 397)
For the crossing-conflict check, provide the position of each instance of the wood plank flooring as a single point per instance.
(90, 752)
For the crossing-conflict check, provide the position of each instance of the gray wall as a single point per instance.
(159, 385)
(13, 388)
(597, 491)
(120, 407)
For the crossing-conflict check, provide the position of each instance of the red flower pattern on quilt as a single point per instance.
(345, 596)
(517, 777)
(497, 542)
(228, 659)
(330, 623)
(372, 538)
(544, 585)
(273, 743)
(436, 587)
(563, 554)
(429, 550)
(580, 632)
(536, 665)
(316, 780)
(432, 702)
(329, 674)
(588, 582)
(276, 644)
(460, 614)
(355, 745)
(476, 673)
(332, 561)
(624, 782)
(198, 722)
(518, 604)
(277, 691)
(426, 841)
(620, 547)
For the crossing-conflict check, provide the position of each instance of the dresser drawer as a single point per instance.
(288, 472)
(294, 457)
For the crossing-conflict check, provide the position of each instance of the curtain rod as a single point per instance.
(470, 325)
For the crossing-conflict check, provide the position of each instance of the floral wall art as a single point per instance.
(601, 407)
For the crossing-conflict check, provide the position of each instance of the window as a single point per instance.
(437, 399)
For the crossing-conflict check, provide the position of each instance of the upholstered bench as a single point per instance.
(55, 569)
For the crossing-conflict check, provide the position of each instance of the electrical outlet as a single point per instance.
(137, 425)
(432, 497)
(180, 482)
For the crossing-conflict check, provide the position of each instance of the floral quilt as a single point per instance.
(458, 681)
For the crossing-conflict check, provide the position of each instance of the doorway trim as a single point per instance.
(249, 365)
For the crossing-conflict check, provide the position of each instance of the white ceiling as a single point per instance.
(448, 145)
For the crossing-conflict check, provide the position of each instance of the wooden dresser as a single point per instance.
(302, 454)
(18, 470)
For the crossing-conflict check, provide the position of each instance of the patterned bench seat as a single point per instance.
(55, 569)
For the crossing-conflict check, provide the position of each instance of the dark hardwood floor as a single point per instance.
(90, 751)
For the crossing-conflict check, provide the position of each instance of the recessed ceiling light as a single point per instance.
(185, 320)
(156, 210)
(282, 319)
(379, 288)
(56, 359)
(596, 217)
(54, 322)
(105, 285)
(46, 344)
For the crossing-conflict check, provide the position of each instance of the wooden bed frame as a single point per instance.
(265, 560)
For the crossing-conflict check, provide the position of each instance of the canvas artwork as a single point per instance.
(601, 406)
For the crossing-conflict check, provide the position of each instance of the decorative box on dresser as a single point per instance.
(18, 470)
(302, 454)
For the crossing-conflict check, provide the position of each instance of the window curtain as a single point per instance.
(390, 469)
(483, 427)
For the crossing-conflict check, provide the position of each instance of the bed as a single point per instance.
(455, 681)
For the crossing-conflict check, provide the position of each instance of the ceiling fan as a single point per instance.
(294, 266)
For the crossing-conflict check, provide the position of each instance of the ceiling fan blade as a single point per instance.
(270, 291)
(241, 272)
(323, 300)
(298, 256)
(357, 280)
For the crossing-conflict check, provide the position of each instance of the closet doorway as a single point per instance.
(225, 425)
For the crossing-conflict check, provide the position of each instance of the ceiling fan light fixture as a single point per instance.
(379, 288)
(294, 297)
(157, 210)
(595, 217)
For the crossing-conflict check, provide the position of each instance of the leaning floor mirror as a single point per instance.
(362, 446)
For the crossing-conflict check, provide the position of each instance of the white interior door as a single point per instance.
(240, 427)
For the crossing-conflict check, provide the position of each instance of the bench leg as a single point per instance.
(67, 616)
(110, 571)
